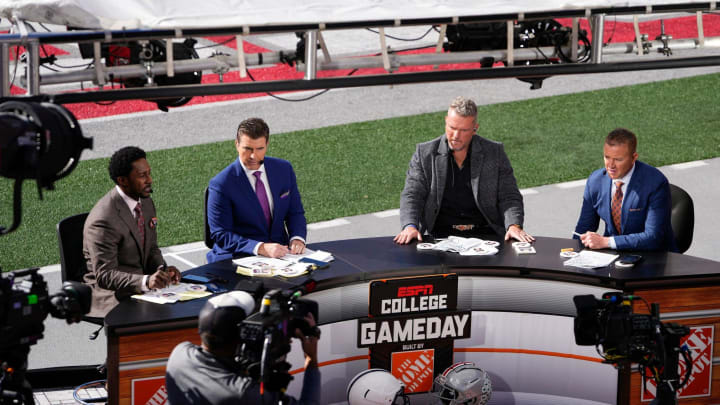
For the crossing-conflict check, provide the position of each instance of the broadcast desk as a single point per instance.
(522, 312)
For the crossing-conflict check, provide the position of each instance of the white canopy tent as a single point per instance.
(170, 14)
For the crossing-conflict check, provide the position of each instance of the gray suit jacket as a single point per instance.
(493, 184)
(111, 245)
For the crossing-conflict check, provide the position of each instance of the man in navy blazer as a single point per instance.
(254, 206)
(631, 197)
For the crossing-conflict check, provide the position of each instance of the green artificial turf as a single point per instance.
(360, 168)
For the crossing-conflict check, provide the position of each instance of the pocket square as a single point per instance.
(285, 194)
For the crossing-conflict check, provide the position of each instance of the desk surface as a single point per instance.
(359, 260)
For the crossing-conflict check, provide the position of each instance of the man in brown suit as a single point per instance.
(120, 236)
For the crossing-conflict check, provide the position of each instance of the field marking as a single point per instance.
(688, 165)
(571, 184)
(328, 224)
(180, 259)
(387, 213)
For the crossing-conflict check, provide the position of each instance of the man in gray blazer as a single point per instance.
(461, 184)
(120, 236)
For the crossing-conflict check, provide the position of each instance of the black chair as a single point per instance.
(208, 237)
(72, 261)
(682, 217)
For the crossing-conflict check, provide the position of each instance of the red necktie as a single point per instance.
(617, 206)
(140, 224)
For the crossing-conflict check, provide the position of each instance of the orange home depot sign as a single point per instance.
(415, 369)
(149, 391)
(700, 344)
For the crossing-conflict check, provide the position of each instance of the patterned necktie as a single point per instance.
(140, 223)
(617, 206)
(262, 196)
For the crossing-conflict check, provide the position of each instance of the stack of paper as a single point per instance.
(588, 259)
(174, 293)
(464, 246)
(523, 248)
(288, 266)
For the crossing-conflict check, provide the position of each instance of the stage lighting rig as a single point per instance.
(526, 34)
(146, 53)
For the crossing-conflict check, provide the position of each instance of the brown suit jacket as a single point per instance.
(111, 245)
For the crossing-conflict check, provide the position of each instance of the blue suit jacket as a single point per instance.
(646, 208)
(236, 220)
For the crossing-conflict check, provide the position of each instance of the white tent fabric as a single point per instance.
(169, 14)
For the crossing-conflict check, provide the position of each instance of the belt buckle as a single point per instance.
(463, 228)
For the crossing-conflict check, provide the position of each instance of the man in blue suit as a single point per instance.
(254, 206)
(631, 197)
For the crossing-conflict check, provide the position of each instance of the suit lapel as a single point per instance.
(476, 161)
(441, 168)
(246, 189)
(147, 215)
(631, 197)
(606, 202)
(127, 217)
(275, 178)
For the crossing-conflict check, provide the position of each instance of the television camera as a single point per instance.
(265, 336)
(38, 140)
(627, 338)
(24, 305)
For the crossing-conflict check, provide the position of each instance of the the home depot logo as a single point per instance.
(700, 344)
(415, 369)
(149, 391)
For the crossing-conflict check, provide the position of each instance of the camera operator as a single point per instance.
(210, 373)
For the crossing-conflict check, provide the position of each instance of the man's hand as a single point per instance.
(174, 274)
(593, 240)
(515, 232)
(407, 235)
(273, 250)
(163, 278)
(297, 247)
(309, 343)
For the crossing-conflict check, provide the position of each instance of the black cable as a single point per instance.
(214, 45)
(321, 92)
(403, 39)
(17, 61)
(46, 28)
(612, 34)
(687, 357)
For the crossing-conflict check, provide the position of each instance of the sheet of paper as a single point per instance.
(320, 255)
(591, 260)
(258, 266)
(174, 293)
(464, 246)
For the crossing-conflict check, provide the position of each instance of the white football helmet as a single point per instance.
(463, 383)
(376, 386)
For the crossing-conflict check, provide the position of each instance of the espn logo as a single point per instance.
(411, 291)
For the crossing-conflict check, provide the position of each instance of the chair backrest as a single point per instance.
(682, 217)
(208, 238)
(70, 240)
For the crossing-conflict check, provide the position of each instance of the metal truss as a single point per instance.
(641, 54)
